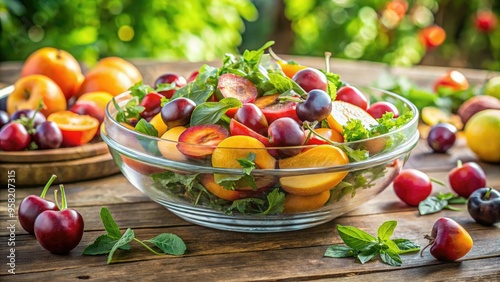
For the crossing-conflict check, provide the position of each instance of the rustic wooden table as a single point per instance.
(214, 255)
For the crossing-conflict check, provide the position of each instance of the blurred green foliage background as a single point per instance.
(389, 31)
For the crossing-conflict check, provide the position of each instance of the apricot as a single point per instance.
(320, 156)
(168, 149)
(296, 203)
(34, 89)
(231, 149)
(107, 79)
(58, 65)
(122, 65)
(342, 112)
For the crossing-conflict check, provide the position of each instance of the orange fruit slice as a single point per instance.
(76, 129)
(320, 156)
(342, 112)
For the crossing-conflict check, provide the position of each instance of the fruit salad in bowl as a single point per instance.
(246, 147)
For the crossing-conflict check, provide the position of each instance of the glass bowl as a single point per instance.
(186, 186)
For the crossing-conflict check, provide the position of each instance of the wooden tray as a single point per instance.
(33, 168)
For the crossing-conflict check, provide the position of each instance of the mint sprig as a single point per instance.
(113, 240)
(364, 246)
(434, 204)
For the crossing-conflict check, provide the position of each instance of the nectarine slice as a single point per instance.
(231, 149)
(199, 141)
(207, 180)
(235, 86)
(342, 112)
(296, 203)
(168, 149)
(320, 156)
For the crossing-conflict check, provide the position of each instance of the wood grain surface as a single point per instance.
(214, 255)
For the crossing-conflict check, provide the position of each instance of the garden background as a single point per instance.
(454, 33)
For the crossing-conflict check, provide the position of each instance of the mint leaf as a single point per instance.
(212, 112)
(386, 229)
(457, 200)
(390, 257)
(406, 246)
(169, 243)
(431, 205)
(276, 201)
(126, 238)
(367, 254)
(145, 127)
(109, 224)
(339, 251)
(103, 245)
(365, 247)
(354, 237)
(140, 90)
(248, 163)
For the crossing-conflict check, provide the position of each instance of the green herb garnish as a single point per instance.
(363, 246)
(439, 202)
(114, 240)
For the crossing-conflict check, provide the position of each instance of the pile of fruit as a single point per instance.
(55, 105)
(251, 115)
(455, 105)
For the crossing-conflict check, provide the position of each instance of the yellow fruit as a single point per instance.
(296, 203)
(101, 98)
(311, 184)
(482, 132)
(168, 148)
(342, 112)
(158, 124)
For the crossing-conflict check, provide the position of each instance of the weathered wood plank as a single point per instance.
(244, 248)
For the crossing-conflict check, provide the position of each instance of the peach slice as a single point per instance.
(199, 141)
(169, 149)
(207, 180)
(235, 86)
(342, 112)
(296, 203)
(158, 124)
(320, 156)
(236, 147)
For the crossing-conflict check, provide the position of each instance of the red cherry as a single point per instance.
(14, 137)
(59, 231)
(352, 95)
(169, 78)
(467, 178)
(32, 206)
(378, 109)
(485, 21)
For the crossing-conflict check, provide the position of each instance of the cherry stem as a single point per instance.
(47, 186)
(437, 181)
(63, 205)
(56, 199)
(459, 163)
(488, 193)
(311, 129)
(327, 61)
(431, 241)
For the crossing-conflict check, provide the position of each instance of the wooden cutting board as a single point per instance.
(34, 168)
